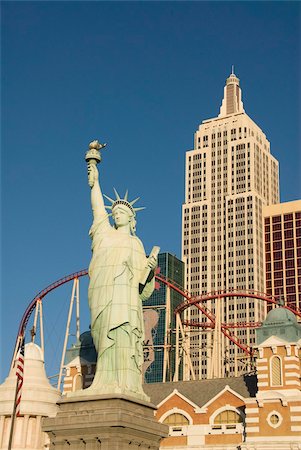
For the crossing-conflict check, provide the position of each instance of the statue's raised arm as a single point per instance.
(93, 157)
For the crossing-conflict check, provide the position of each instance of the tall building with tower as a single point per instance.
(230, 176)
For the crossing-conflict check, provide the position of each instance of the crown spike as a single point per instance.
(116, 193)
(134, 201)
(123, 201)
(108, 198)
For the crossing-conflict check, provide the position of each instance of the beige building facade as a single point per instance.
(230, 176)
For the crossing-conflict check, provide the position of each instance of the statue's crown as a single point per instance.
(123, 201)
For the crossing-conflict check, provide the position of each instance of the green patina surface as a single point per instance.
(282, 323)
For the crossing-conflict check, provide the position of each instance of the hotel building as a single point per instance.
(282, 225)
(230, 176)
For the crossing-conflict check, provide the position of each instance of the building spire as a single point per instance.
(232, 102)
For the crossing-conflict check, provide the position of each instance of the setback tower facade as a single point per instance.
(230, 176)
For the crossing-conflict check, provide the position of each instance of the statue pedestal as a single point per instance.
(104, 423)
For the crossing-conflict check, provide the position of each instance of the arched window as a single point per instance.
(175, 420)
(177, 423)
(227, 418)
(276, 371)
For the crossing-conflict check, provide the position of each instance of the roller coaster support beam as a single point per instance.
(166, 355)
(177, 358)
(75, 290)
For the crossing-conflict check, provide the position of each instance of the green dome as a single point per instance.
(279, 322)
(86, 339)
(280, 315)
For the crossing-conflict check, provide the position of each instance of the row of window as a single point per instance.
(278, 235)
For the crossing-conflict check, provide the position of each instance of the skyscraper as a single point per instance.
(230, 175)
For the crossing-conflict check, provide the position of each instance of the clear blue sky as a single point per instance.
(140, 76)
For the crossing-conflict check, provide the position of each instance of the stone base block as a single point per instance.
(104, 423)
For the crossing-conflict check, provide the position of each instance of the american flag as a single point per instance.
(19, 374)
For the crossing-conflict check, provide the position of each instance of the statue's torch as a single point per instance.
(93, 155)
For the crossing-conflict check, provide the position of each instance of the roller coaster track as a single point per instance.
(197, 301)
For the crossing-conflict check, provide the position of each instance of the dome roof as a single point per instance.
(86, 338)
(33, 351)
(280, 315)
(38, 396)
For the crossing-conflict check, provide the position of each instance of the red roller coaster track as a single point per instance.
(199, 302)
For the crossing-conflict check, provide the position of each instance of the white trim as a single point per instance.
(295, 428)
(262, 375)
(271, 370)
(274, 413)
(261, 368)
(262, 384)
(292, 366)
(226, 389)
(222, 409)
(259, 360)
(197, 409)
(176, 411)
(293, 382)
(252, 410)
(273, 341)
(252, 420)
(75, 378)
(271, 439)
(291, 358)
(288, 348)
(296, 418)
(292, 395)
(252, 429)
(77, 361)
(295, 409)
(292, 374)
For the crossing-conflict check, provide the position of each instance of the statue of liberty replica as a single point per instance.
(113, 413)
(117, 289)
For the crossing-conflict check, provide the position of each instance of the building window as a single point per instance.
(177, 424)
(228, 419)
(274, 419)
(276, 371)
(176, 419)
(276, 219)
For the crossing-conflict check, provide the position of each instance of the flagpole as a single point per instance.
(13, 418)
(19, 365)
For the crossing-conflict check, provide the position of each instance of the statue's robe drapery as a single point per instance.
(116, 308)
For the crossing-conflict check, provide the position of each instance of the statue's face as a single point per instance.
(121, 216)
